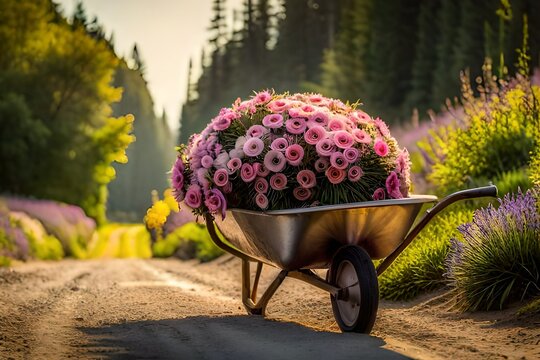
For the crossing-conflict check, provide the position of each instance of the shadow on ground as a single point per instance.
(233, 337)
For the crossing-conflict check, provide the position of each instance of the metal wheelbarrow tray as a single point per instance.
(344, 238)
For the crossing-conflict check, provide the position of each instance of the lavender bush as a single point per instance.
(498, 260)
(13, 241)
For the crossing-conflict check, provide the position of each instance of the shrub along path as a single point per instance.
(171, 309)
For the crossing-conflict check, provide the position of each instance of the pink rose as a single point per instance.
(279, 105)
(193, 196)
(247, 173)
(221, 123)
(261, 169)
(351, 155)
(306, 179)
(381, 126)
(335, 175)
(234, 164)
(393, 185)
(343, 139)
(261, 185)
(355, 173)
(215, 201)
(361, 136)
(296, 112)
(379, 194)
(221, 161)
(221, 177)
(257, 131)
(337, 160)
(381, 148)
(179, 195)
(262, 97)
(177, 178)
(273, 121)
(321, 164)
(325, 147)
(295, 125)
(317, 118)
(253, 146)
(274, 161)
(280, 144)
(207, 161)
(336, 124)
(278, 181)
(261, 200)
(294, 154)
(315, 134)
(301, 193)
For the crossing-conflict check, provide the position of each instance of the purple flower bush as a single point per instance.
(13, 242)
(68, 223)
(499, 258)
(279, 151)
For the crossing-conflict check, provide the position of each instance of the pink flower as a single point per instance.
(335, 175)
(273, 121)
(247, 173)
(221, 123)
(207, 161)
(236, 154)
(296, 112)
(221, 177)
(337, 160)
(221, 161)
(381, 126)
(355, 173)
(315, 134)
(294, 154)
(301, 193)
(261, 185)
(215, 201)
(178, 174)
(363, 118)
(392, 186)
(202, 178)
(274, 161)
(321, 164)
(380, 147)
(193, 196)
(257, 131)
(379, 194)
(351, 155)
(261, 170)
(278, 181)
(240, 141)
(280, 144)
(179, 195)
(234, 164)
(343, 139)
(316, 98)
(317, 118)
(253, 146)
(307, 110)
(306, 179)
(336, 124)
(361, 136)
(325, 147)
(295, 125)
(262, 97)
(402, 162)
(279, 105)
(261, 200)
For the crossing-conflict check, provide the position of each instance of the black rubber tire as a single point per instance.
(351, 264)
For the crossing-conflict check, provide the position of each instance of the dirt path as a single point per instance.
(168, 309)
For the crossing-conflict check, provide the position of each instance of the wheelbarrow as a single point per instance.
(343, 238)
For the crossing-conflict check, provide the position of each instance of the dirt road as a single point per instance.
(168, 309)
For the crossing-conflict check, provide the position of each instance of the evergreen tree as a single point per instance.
(445, 81)
(425, 59)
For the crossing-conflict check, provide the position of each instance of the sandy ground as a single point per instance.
(169, 309)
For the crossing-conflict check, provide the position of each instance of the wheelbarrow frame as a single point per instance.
(249, 290)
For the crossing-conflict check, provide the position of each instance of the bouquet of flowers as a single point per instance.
(280, 151)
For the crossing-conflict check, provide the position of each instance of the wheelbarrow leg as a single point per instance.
(252, 306)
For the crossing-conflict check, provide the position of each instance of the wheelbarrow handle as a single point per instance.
(485, 191)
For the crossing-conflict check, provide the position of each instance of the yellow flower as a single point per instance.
(156, 216)
(169, 199)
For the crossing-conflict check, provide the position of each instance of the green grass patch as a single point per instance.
(116, 240)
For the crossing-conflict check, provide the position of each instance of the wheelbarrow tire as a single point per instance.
(356, 309)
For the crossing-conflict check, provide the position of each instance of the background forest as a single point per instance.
(394, 56)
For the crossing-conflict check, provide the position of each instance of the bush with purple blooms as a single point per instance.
(280, 151)
(498, 260)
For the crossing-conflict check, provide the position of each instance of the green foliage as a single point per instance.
(533, 307)
(497, 135)
(191, 240)
(420, 267)
(120, 241)
(5, 261)
(56, 80)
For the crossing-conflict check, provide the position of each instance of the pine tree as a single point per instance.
(425, 59)
(445, 81)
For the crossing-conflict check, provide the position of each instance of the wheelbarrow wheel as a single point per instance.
(355, 308)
